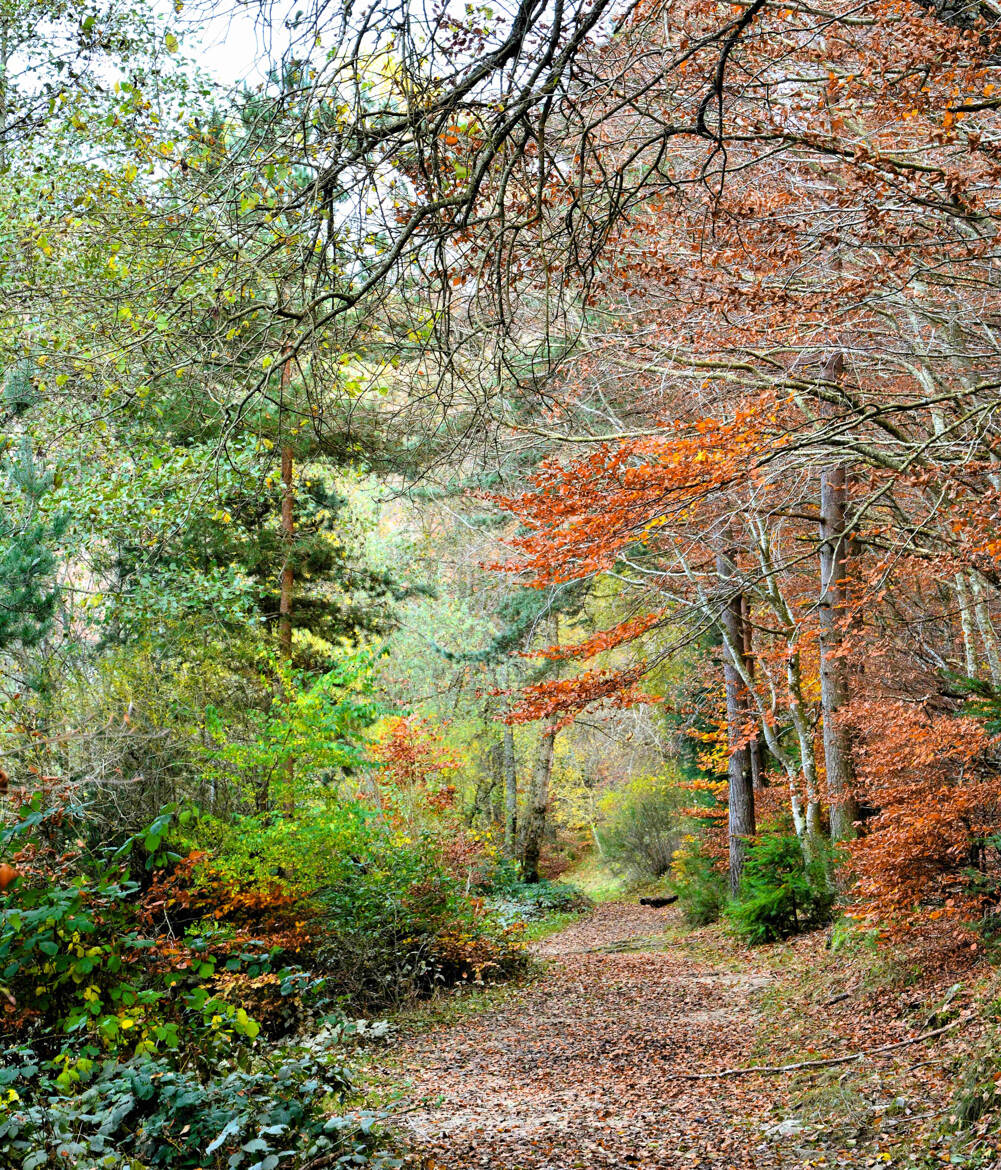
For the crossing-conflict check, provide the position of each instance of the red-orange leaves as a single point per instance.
(618, 635)
(939, 802)
(566, 697)
(413, 756)
(584, 515)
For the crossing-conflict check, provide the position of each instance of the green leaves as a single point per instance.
(28, 537)
(149, 1112)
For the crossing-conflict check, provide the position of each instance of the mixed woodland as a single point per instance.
(455, 450)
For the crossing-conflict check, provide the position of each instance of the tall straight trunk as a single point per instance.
(533, 825)
(538, 807)
(833, 675)
(966, 624)
(987, 634)
(741, 791)
(288, 574)
(755, 749)
(286, 595)
(800, 773)
(4, 105)
(510, 767)
(803, 726)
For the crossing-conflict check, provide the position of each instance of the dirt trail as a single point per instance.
(580, 1067)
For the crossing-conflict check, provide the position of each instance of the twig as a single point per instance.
(781, 1068)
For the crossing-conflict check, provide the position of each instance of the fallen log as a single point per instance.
(658, 902)
(800, 1064)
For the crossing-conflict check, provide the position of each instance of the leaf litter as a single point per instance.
(590, 1064)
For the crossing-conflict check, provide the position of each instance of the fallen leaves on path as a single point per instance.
(590, 1065)
(580, 1068)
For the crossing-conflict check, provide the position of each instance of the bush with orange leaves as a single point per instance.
(418, 796)
(471, 949)
(415, 760)
(254, 934)
(931, 852)
(274, 914)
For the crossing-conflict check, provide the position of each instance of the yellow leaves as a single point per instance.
(652, 525)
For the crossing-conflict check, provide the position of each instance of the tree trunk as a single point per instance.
(966, 623)
(538, 806)
(741, 792)
(288, 582)
(755, 748)
(833, 675)
(987, 634)
(510, 792)
(288, 576)
(4, 105)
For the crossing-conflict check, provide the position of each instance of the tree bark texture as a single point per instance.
(741, 791)
(756, 747)
(833, 674)
(538, 807)
(510, 767)
(286, 596)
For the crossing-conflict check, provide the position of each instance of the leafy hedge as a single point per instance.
(157, 989)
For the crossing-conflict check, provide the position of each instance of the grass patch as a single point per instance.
(552, 924)
(594, 878)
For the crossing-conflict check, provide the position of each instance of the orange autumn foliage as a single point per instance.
(937, 786)
(274, 915)
(414, 758)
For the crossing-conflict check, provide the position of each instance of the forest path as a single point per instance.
(580, 1068)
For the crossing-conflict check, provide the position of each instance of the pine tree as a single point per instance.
(28, 593)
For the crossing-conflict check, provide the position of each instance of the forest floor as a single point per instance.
(590, 1063)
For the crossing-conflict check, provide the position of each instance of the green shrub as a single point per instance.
(700, 887)
(514, 901)
(780, 893)
(643, 828)
(147, 1113)
(390, 919)
(530, 903)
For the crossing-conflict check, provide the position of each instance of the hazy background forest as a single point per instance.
(462, 463)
